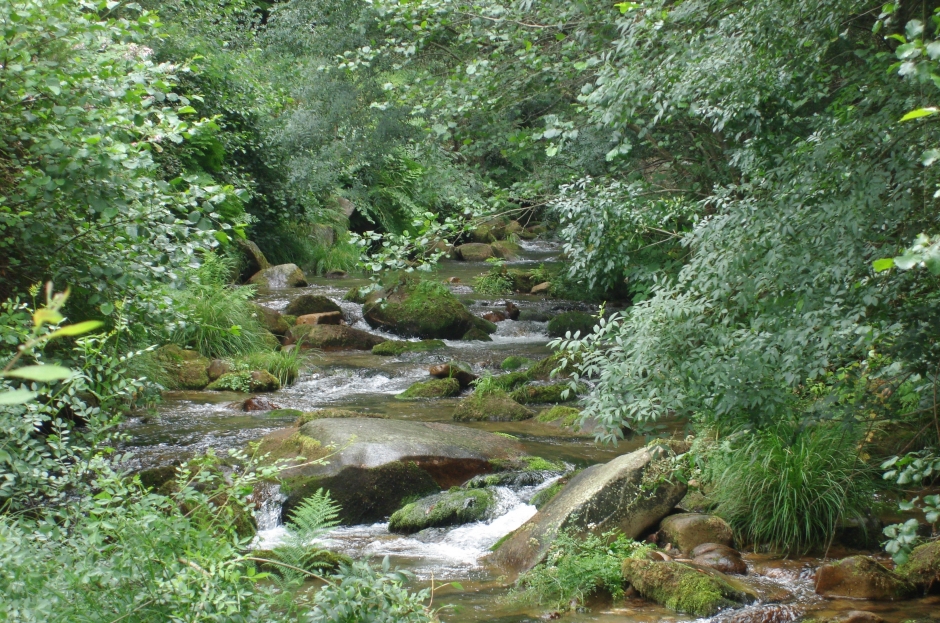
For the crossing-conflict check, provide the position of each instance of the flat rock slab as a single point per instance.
(601, 498)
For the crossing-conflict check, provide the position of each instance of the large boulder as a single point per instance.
(311, 304)
(505, 249)
(685, 588)
(272, 320)
(923, 566)
(280, 276)
(475, 252)
(377, 464)
(424, 309)
(450, 508)
(492, 407)
(686, 531)
(623, 495)
(861, 577)
(571, 322)
(333, 337)
(183, 369)
(253, 260)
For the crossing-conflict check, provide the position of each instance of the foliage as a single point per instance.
(283, 364)
(85, 107)
(576, 568)
(296, 553)
(912, 469)
(217, 319)
(496, 282)
(789, 486)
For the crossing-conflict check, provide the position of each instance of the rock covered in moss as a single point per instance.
(184, 369)
(476, 335)
(311, 304)
(492, 407)
(686, 531)
(475, 252)
(414, 308)
(284, 413)
(555, 392)
(514, 362)
(456, 370)
(573, 322)
(280, 276)
(321, 318)
(435, 388)
(542, 370)
(255, 381)
(253, 260)
(861, 577)
(684, 588)
(321, 414)
(450, 508)
(484, 325)
(333, 337)
(393, 348)
(565, 416)
(272, 320)
(923, 566)
(505, 249)
(547, 494)
(357, 294)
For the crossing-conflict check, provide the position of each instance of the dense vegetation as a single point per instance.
(756, 182)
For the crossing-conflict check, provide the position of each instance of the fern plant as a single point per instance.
(299, 558)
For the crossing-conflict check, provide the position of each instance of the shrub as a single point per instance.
(789, 486)
(575, 569)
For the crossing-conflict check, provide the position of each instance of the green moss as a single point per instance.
(527, 463)
(484, 325)
(546, 495)
(682, 588)
(567, 415)
(257, 381)
(923, 566)
(574, 321)
(358, 294)
(502, 540)
(444, 509)
(544, 393)
(311, 304)
(477, 335)
(435, 388)
(285, 413)
(506, 249)
(289, 319)
(320, 414)
(396, 347)
(182, 369)
(514, 362)
(496, 406)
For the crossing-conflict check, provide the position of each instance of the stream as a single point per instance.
(186, 423)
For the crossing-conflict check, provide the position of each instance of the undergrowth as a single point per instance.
(284, 364)
(577, 568)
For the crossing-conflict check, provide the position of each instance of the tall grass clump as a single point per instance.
(217, 318)
(284, 364)
(577, 568)
(788, 487)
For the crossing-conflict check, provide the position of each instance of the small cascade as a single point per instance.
(268, 501)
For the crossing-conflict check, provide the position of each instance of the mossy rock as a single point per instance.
(363, 495)
(546, 495)
(319, 561)
(280, 276)
(283, 413)
(311, 304)
(476, 335)
(515, 362)
(393, 348)
(522, 281)
(862, 577)
(357, 294)
(484, 325)
(566, 416)
(509, 479)
(253, 260)
(333, 337)
(156, 477)
(542, 370)
(573, 322)
(273, 320)
(424, 309)
(526, 463)
(184, 369)
(320, 414)
(247, 382)
(530, 394)
(510, 381)
(490, 231)
(435, 388)
(475, 252)
(506, 250)
(493, 407)
(923, 566)
(684, 588)
(450, 508)
(534, 315)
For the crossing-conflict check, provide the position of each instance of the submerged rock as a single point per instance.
(280, 276)
(322, 414)
(686, 531)
(492, 407)
(623, 494)
(435, 388)
(257, 403)
(393, 348)
(861, 577)
(685, 588)
(312, 304)
(424, 309)
(573, 322)
(450, 508)
(376, 464)
(333, 337)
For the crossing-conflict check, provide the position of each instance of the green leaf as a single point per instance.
(16, 397)
(885, 263)
(920, 112)
(43, 373)
(186, 110)
(80, 328)
(457, 585)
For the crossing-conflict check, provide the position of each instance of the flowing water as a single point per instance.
(191, 422)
